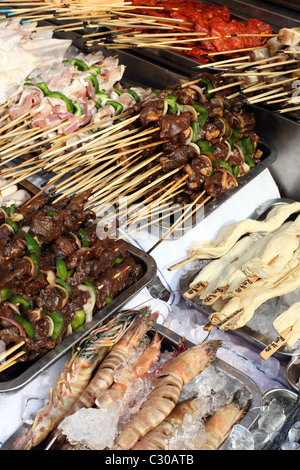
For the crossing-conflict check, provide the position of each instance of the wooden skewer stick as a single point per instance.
(286, 276)
(223, 62)
(195, 290)
(215, 295)
(11, 361)
(274, 345)
(247, 283)
(10, 350)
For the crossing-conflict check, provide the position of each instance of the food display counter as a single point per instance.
(170, 332)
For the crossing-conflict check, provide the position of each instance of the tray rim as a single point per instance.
(257, 398)
(251, 336)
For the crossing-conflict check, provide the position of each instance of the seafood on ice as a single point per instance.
(12, 194)
(147, 398)
(75, 377)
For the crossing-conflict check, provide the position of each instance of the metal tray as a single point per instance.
(22, 373)
(246, 332)
(171, 341)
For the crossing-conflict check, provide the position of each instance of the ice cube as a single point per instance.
(241, 438)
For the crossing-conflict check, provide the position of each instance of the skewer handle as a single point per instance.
(193, 291)
(275, 345)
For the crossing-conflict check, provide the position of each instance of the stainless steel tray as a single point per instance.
(247, 332)
(292, 373)
(22, 373)
(171, 341)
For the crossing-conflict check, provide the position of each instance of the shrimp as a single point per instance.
(74, 378)
(158, 438)
(104, 376)
(139, 368)
(166, 390)
(219, 425)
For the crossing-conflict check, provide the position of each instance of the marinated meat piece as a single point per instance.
(244, 121)
(199, 169)
(219, 182)
(64, 247)
(12, 248)
(151, 112)
(20, 273)
(175, 128)
(52, 298)
(177, 158)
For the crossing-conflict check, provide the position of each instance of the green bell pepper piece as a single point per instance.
(32, 245)
(64, 284)
(26, 325)
(195, 128)
(236, 171)
(60, 96)
(94, 81)
(101, 95)
(206, 83)
(78, 319)
(225, 165)
(108, 300)
(61, 269)
(14, 225)
(119, 260)
(203, 113)
(51, 213)
(80, 65)
(171, 100)
(118, 91)
(133, 94)
(82, 236)
(59, 323)
(77, 109)
(95, 68)
(250, 162)
(205, 147)
(20, 300)
(36, 264)
(118, 106)
(5, 294)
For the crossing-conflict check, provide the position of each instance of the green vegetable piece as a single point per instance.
(206, 83)
(118, 260)
(61, 269)
(95, 68)
(250, 162)
(171, 100)
(51, 213)
(248, 145)
(26, 325)
(78, 319)
(133, 94)
(236, 133)
(36, 264)
(195, 129)
(5, 294)
(82, 236)
(12, 209)
(236, 171)
(118, 91)
(80, 65)
(59, 323)
(94, 81)
(225, 165)
(77, 109)
(117, 106)
(60, 96)
(230, 141)
(205, 147)
(14, 225)
(101, 95)
(91, 285)
(203, 113)
(42, 86)
(19, 300)
(108, 300)
(32, 245)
